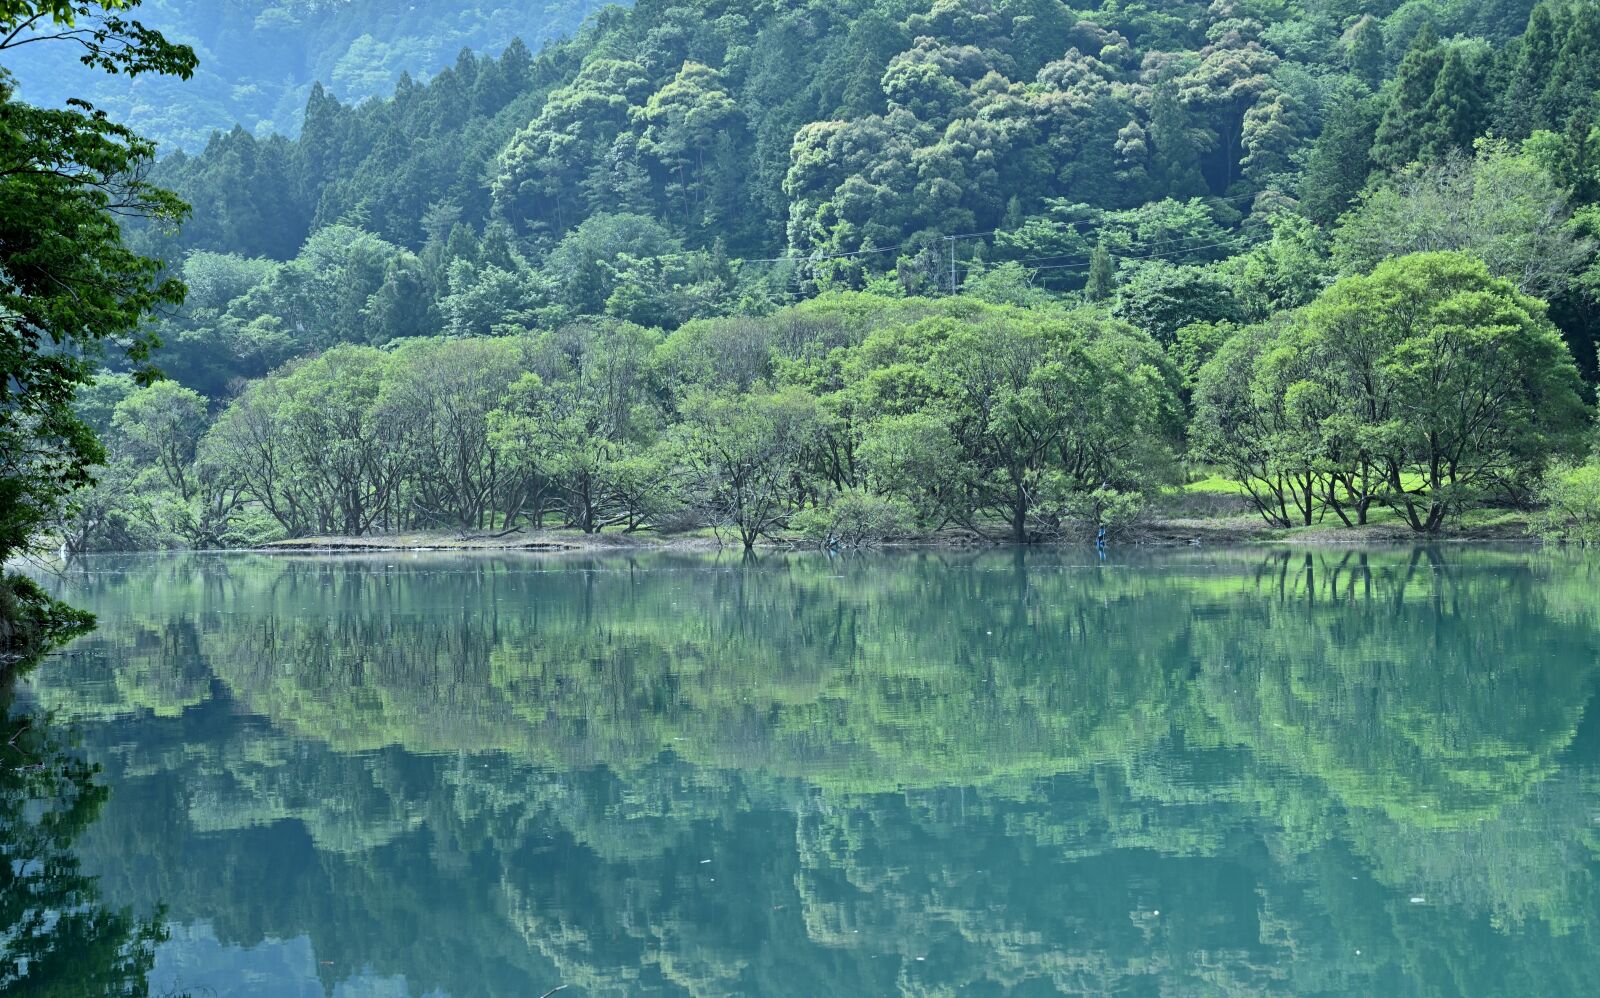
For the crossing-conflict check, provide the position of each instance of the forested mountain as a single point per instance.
(259, 58)
(777, 105)
(1057, 252)
(891, 137)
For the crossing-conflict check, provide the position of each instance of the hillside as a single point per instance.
(1008, 266)
(672, 140)
(259, 58)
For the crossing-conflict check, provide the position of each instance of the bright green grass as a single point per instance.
(1326, 519)
(1215, 485)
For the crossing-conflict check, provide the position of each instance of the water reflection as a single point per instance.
(57, 934)
(922, 774)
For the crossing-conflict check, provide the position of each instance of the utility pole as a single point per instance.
(952, 241)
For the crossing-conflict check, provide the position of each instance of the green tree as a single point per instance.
(1471, 389)
(1340, 160)
(160, 427)
(1365, 54)
(1285, 272)
(742, 456)
(540, 172)
(72, 283)
(685, 122)
(1177, 146)
(1271, 131)
(436, 401)
(1520, 104)
(1501, 206)
(587, 263)
(1454, 114)
(1569, 501)
(1246, 431)
(583, 420)
(1040, 410)
(1574, 74)
(1230, 78)
(176, 487)
(1102, 281)
(305, 444)
(1402, 131)
(1161, 299)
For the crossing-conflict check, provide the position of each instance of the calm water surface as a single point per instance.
(931, 774)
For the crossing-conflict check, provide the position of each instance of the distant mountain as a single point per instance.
(259, 58)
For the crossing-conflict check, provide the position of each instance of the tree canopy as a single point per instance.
(68, 176)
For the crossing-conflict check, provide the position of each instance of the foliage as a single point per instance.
(1428, 386)
(708, 187)
(853, 519)
(1500, 206)
(31, 622)
(743, 455)
(71, 283)
(1569, 500)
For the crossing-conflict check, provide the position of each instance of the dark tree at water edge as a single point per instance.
(70, 284)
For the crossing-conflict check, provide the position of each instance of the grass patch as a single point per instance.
(1216, 485)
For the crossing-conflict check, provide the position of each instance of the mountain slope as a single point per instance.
(259, 58)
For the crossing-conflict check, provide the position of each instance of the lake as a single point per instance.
(929, 773)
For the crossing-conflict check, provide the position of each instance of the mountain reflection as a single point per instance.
(919, 774)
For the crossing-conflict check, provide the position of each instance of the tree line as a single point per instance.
(1427, 386)
(848, 418)
(1208, 182)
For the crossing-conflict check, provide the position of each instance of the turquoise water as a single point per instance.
(1202, 772)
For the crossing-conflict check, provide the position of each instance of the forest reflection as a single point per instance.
(58, 936)
(915, 773)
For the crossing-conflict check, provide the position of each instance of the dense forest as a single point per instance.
(854, 269)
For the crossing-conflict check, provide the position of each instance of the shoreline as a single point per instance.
(1160, 533)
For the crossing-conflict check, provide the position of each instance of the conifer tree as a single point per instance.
(1366, 57)
(1574, 75)
(1401, 132)
(1454, 115)
(1520, 104)
(1341, 158)
(1583, 158)
(1102, 274)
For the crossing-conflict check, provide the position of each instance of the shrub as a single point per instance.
(1570, 501)
(853, 519)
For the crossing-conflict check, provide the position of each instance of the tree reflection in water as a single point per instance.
(918, 774)
(57, 934)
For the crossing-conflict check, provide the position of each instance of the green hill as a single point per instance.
(259, 58)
